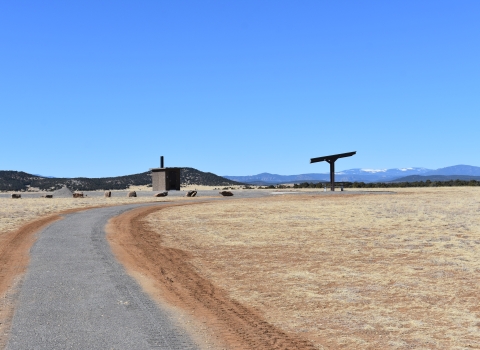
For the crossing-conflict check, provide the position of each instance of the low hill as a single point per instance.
(192, 176)
(21, 181)
(456, 170)
(417, 178)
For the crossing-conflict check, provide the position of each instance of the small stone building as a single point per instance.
(165, 179)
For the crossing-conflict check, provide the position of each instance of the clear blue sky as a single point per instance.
(103, 88)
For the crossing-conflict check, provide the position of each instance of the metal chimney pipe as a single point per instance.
(161, 162)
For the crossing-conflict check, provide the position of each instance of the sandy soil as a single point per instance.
(386, 271)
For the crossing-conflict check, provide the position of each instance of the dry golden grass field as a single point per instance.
(372, 271)
(16, 212)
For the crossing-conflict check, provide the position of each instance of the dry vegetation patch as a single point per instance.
(16, 212)
(377, 271)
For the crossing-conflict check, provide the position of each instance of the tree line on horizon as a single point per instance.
(427, 183)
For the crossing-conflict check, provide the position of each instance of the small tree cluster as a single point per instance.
(427, 183)
(309, 185)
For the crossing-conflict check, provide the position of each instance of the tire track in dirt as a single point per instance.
(167, 275)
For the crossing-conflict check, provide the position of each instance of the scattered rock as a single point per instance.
(132, 194)
(15, 195)
(191, 193)
(108, 194)
(226, 193)
(64, 192)
(161, 194)
(77, 194)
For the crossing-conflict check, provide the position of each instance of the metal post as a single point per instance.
(332, 174)
(161, 162)
(331, 160)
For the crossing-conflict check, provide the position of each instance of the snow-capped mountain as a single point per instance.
(371, 175)
(360, 175)
(351, 175)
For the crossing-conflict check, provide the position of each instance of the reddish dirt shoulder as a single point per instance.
(168, 276)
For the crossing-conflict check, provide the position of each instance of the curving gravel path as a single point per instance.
(75, 295)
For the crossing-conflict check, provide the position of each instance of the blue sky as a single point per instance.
(103, 88)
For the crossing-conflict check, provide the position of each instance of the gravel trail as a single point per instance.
(75, 295)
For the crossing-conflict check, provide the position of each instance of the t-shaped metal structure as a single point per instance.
(331, 160)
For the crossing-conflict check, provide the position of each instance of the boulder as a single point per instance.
(132, 194)
(77, 194)
(108, 194)
(64, 192)
(48, 196)
(16, 195)
(161, 194)
(191, 193)
(226, 193)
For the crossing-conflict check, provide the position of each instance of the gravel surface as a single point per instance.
(76, 296)
(66, 193)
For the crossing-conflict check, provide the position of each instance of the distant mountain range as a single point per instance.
(21, 181)
(363, 175)
(418, 178)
